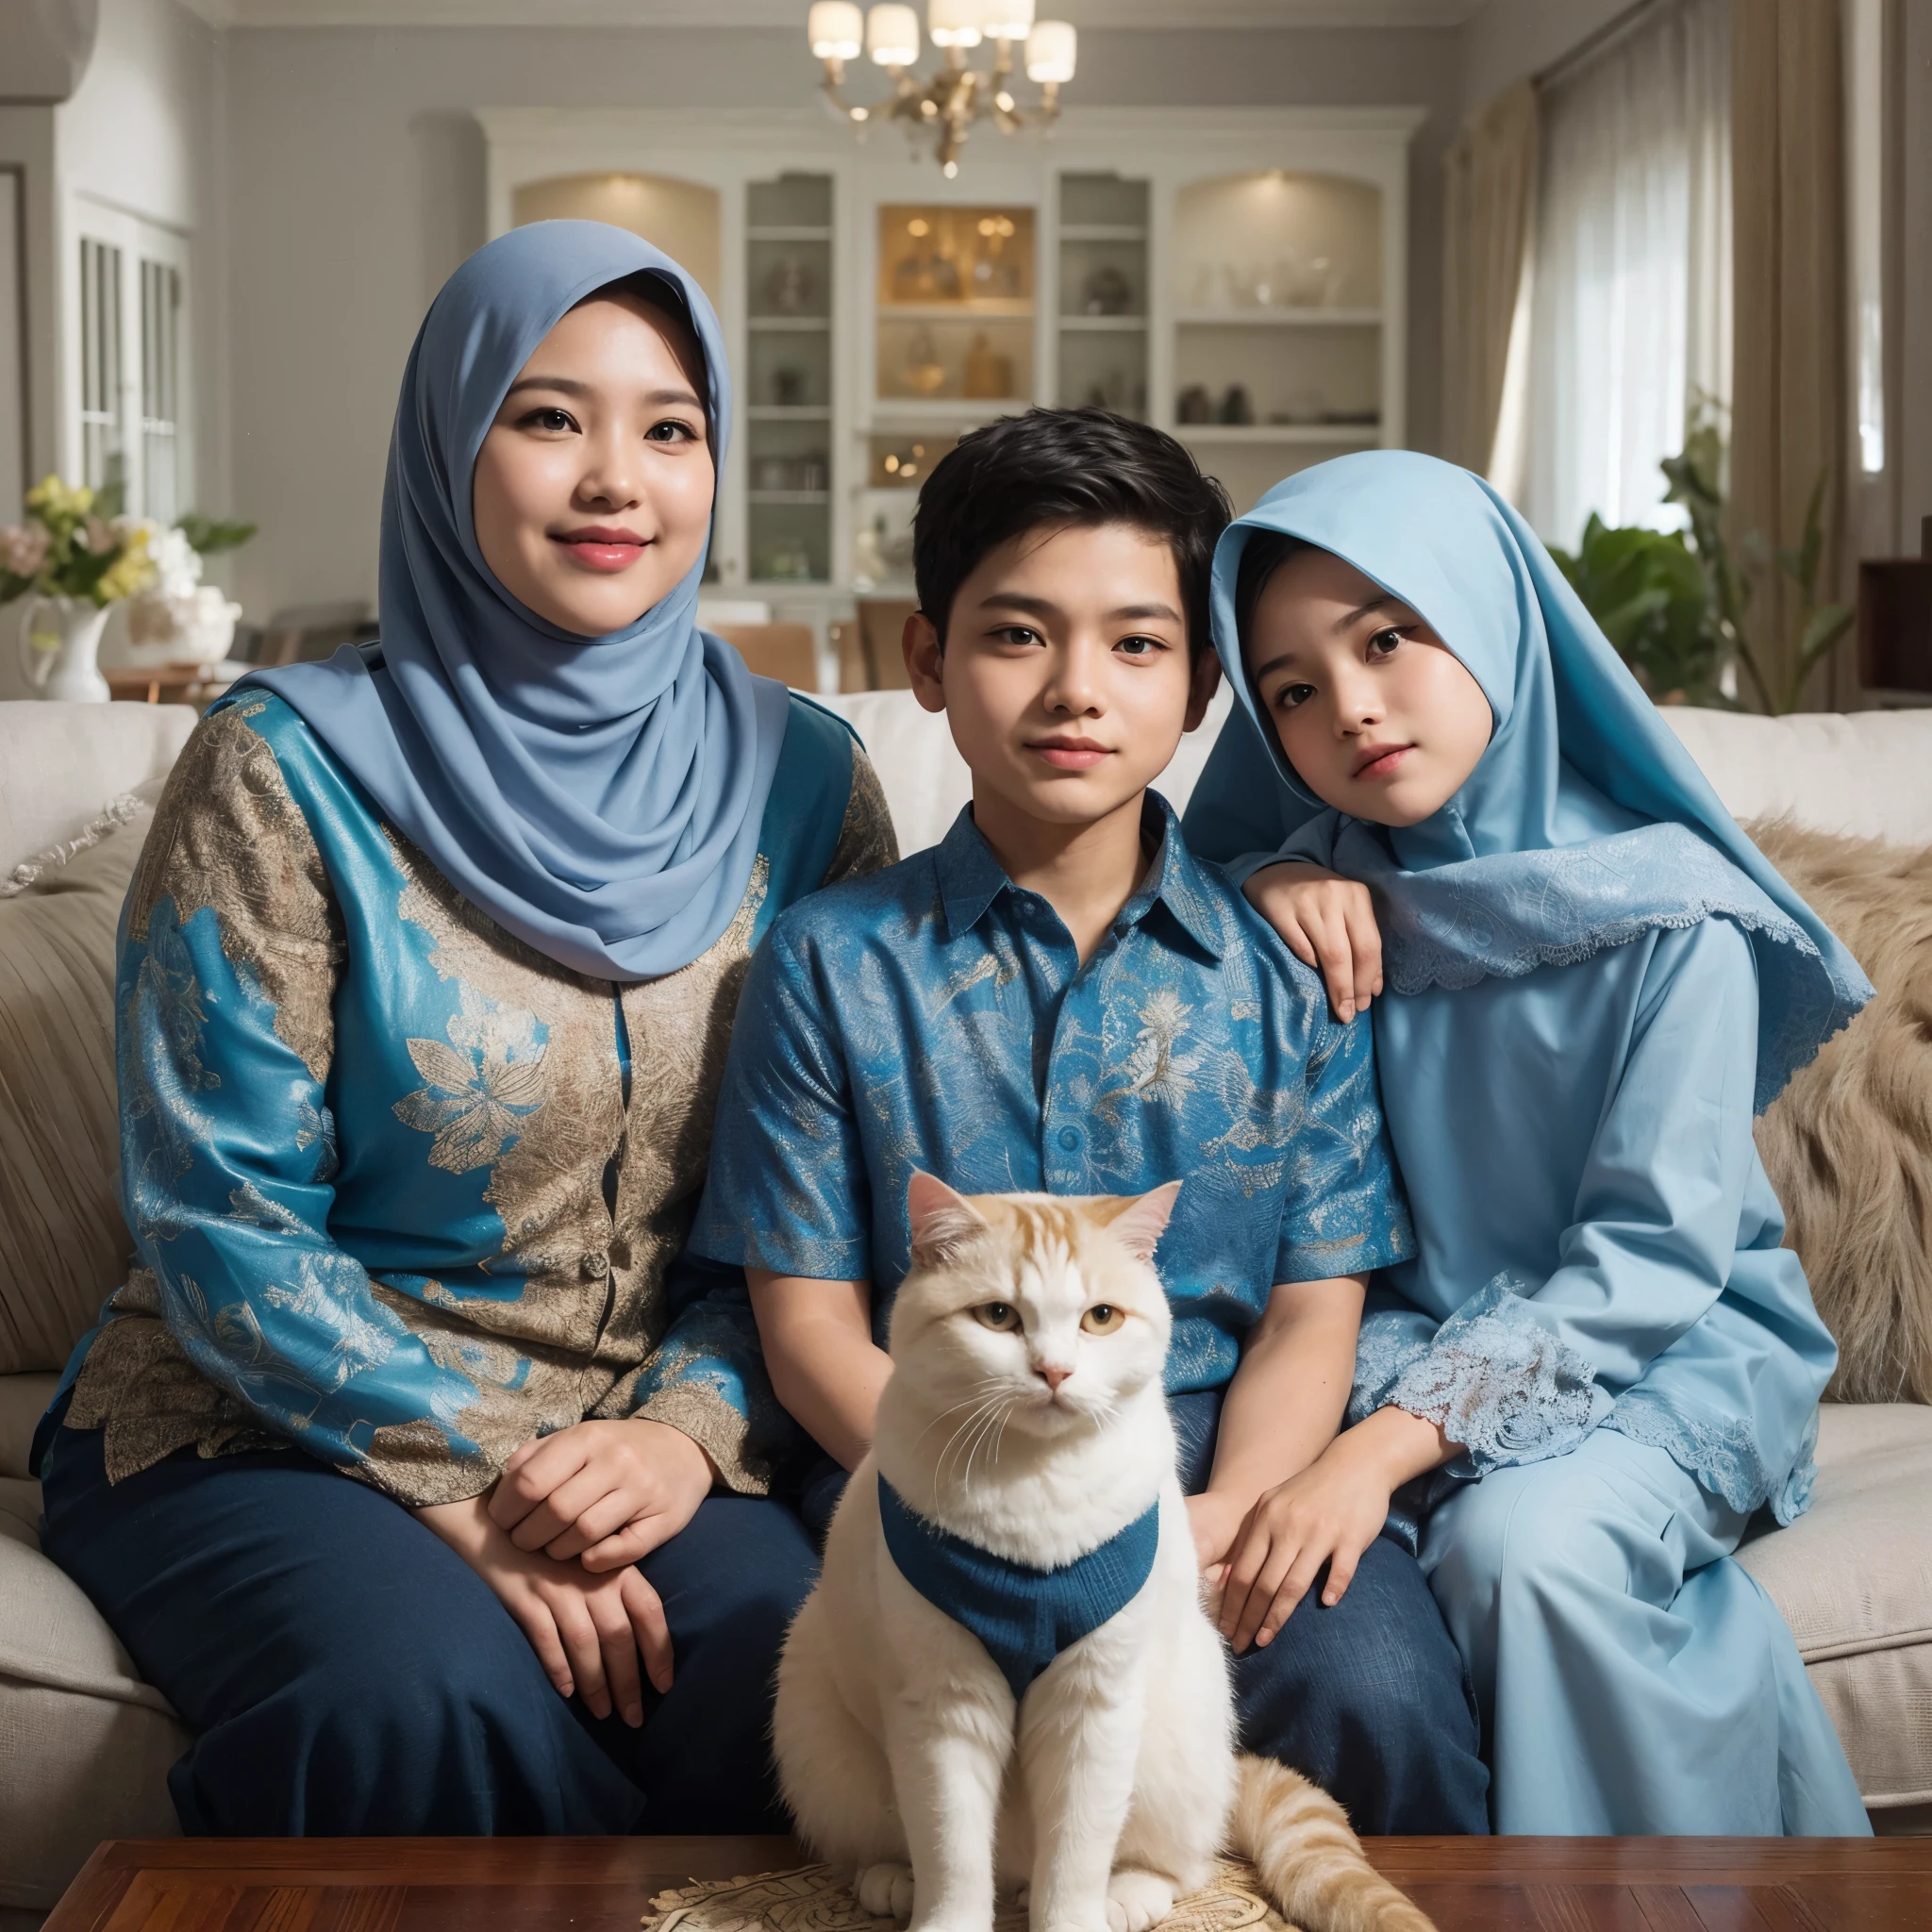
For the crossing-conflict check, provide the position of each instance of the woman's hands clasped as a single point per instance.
(558, 1538)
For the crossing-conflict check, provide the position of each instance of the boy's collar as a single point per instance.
(971, 879)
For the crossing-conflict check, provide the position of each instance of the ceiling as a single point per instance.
(1143, 14)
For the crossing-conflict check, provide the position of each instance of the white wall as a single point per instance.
(1508, 38)
(356, 182)
(144, 133)
(138, 131)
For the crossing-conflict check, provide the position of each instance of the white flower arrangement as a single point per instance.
(178, 618)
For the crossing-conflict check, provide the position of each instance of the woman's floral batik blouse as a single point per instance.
(403, 1191)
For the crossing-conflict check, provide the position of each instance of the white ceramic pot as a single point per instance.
(68, 674)
(195, 630)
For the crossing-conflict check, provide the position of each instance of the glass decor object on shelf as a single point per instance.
(954, 304)
(788, 467)
(904, 461)
(978, 258)
(959, 94)
(1102, 324)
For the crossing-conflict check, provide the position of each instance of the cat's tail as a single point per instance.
(1309, 1860)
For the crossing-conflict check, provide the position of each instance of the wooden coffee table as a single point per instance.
(603, 1885)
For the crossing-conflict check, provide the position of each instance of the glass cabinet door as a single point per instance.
(788, 338)
(955, 308)
(1101, 329)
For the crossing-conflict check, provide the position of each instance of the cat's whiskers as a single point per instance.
(986, 1384)
(985, 1407)
(994, 1428)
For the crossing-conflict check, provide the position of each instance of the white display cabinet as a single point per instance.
(1238, 276)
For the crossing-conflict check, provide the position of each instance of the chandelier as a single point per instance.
(957, 94)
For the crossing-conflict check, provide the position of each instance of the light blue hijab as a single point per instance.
(1585, 824)
(599, 797)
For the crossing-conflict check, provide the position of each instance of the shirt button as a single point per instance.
(1070, 1138)
(594, 1266)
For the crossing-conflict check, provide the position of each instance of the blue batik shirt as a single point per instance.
(937, 1016)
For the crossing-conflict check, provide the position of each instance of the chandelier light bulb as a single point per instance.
(835, 29)
(892, 35)
(1050, 51)
(955, 23)
(1009, 20)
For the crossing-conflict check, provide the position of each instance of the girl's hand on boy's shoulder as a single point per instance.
(603, 1492)
(1326, 922)
(1330, 1513)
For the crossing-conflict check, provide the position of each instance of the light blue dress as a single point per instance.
(1594, 982)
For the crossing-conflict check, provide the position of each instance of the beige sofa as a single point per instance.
(85, 1744)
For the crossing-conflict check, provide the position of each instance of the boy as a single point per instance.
(1059, 997)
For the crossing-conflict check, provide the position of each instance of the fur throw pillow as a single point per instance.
(1848, 1143)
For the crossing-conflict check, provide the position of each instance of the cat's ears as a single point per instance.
(1140, 1223)
(941, 1220)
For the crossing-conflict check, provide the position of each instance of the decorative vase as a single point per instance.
(68, 675)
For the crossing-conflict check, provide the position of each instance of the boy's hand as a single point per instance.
(1326, 922)
(606, 1494)
(1330, 1513)
(587, 1631)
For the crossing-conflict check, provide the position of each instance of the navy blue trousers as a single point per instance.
(1367, 1697)
(344, 1672)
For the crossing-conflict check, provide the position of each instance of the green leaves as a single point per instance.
(1648, 591)
(208, 536)
(1676, 607)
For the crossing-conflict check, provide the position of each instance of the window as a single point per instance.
(128, 393)
(103, 450)
(160, 390)
(1630, 314)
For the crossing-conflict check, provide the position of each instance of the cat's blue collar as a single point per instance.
(1024, 1617)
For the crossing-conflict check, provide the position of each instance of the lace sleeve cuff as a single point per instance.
(1390, 1341)
(1496, 1380)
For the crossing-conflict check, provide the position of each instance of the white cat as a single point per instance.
(1023, 1473)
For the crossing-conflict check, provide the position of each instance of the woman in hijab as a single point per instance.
(1601, 1362)
(424, 985)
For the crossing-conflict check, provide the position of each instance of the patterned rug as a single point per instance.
(814, 1900)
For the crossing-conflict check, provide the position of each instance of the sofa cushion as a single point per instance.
(1848, 1144)
(1864, 773)
(59, 763)
(24, 1401)
(1854, 1579)
(62, 1244)
(84, 1745)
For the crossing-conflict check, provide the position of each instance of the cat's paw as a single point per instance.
(1136, 1900)
(885, 1891)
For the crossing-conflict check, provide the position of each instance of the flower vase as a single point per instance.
(68, 675)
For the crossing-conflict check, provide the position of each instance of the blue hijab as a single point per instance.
(599, 797)
(1584, 822)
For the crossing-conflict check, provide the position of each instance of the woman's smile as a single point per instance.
(601, 547)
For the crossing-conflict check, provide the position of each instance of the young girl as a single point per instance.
(396, 1438)
(1601, 1352)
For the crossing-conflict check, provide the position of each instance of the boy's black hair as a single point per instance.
(1083, 467)
(1262, 555)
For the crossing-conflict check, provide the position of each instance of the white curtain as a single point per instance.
(1630, 317)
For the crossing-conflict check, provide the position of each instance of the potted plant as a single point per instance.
(68, 557)
(177, 619)
(1675, 605)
